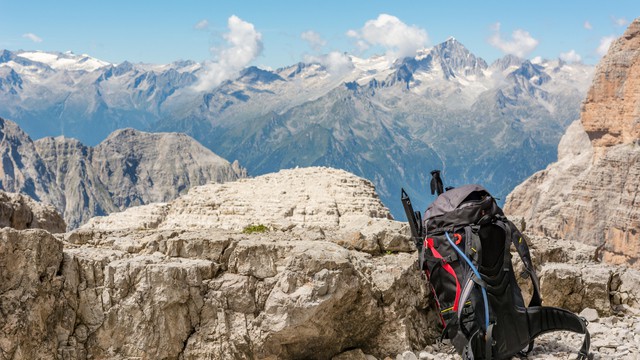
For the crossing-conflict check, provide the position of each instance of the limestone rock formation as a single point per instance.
(22, 170)
(570, 278)
(611, 111)
(333, 274)
(129, 168)
(591, 193)
(140, 168)
(227, 272)
(31, 296)
(21, 212)
(311, 200)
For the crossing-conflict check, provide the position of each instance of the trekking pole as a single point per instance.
(414, 218)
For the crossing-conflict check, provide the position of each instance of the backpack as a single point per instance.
(464, 249)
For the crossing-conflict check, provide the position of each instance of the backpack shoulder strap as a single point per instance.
(522, 248)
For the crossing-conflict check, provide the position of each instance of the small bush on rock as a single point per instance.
(251, 229)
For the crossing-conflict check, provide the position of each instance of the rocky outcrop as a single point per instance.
(570, 278)
(140, 168)
(247, 277)
(129, 168)
(83, 193)
(590, 194)
(311, 200)
(330, 275)
(21, 212)
(611, 111)
(31, 296)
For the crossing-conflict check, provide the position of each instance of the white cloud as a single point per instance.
(314, 39)
(620, 22)
(397, 38)
(337, 63)
(245, 44)
(605, 42)
(570, 56)
(33, 37)
(521, 43)
(202, 25)
(587, 25)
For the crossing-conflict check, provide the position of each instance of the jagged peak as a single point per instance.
(6, 55)
(507, 61)
(254, 74)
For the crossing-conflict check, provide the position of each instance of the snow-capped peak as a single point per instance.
(374, 63)
(64, 61)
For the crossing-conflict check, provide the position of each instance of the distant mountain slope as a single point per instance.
(391, 122)
(129, 168)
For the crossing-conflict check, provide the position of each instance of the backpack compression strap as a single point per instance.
(543, 319)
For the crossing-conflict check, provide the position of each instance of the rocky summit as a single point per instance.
(591, 193)
(303, 263)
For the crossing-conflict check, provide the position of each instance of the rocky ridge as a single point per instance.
(329, 278)
(591, 193)
(129, 168)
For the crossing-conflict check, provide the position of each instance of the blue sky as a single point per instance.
(270, 33)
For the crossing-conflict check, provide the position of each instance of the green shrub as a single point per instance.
(251, 229)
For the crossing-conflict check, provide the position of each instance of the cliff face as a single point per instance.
(129, 168)
(22, 170)
(611, 111)
(592, 193)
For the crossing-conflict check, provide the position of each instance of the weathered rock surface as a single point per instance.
(31, 301)
(571, 278)
(591, 193)
(611, 111)
(129, 168)
(21, 169)
(21, 212)
(305, 288)
(315, 201)
(298, 287)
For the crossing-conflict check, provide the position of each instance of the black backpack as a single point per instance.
(463, 246)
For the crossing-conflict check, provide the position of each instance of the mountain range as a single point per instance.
(389, 121)
(128, 168)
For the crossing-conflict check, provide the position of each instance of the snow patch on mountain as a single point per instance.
(65, 61)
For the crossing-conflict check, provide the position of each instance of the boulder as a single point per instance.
(21, 212)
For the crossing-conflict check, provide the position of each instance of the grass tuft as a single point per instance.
(252, 229)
